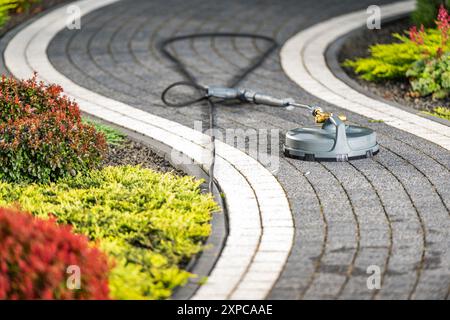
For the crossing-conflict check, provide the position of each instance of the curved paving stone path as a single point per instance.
(391, 211)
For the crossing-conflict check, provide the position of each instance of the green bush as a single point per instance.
(392, 61)
(17, 6)
(441, 112)
(423, 58)
(151, 223)
(431, 77)
(5, 7)
(426, 11)
(42, 137)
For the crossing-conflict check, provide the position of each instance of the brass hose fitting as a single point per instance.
(321, 116)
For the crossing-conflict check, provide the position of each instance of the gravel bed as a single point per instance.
(135, 153)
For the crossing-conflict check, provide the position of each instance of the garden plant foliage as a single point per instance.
(441, 112)
(17, 6)
(151, 224)
(5, 7)
(148, 224)
(427, 10)
(35, 255)
(42, 136)
(422, 57)
(113, 136)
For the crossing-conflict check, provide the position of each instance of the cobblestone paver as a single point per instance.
(391, 211)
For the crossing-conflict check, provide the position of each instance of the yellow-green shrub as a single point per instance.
(423, 58)
(5, 7)
(17, 6)
(441, 112)
(151, 223)
(392, 61)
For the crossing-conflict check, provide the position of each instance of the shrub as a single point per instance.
(392, 61)
(35, 255)
(426, 11)
(431, 77)
(431, 74)
(42, 137)
(151, 223)
(17, 6)
(386, 61)
(5, 7)
(441, 112)
(423, 57)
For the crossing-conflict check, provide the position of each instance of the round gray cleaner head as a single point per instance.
(334, 141)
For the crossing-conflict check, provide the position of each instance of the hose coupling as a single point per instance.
(321, 116)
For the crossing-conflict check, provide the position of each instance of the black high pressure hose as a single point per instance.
(191, 80)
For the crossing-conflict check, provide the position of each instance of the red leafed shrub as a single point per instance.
(42, 137)
(35, 255)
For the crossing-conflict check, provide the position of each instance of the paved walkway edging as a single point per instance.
(260, 220)
(303, 60)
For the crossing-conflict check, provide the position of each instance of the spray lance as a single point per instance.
(333, 141)
(245, 95)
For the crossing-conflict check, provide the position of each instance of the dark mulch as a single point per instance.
(37, 8)
(398, 91)
(135, 153)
